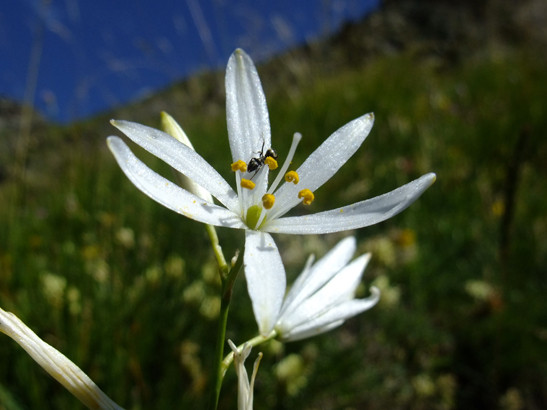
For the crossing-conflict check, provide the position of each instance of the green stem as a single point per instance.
(226, 296)
(217, 249)
(219, 351)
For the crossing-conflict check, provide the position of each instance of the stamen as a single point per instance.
(239, 165)
(271, 163)
(295, 141)
(268, 201)
(292, 176)
(240, 192)
(262, 215)
(247, 183)
(307, 195)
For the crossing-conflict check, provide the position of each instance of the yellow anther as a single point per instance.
(292, 176)
(271, 163)
(307, 195)
(247, 183)
(239, 165)
(268, 201)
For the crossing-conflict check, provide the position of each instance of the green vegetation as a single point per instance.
(128, 289)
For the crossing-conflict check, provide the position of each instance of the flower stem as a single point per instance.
(219, 352)
(217, 250)
(226, 296)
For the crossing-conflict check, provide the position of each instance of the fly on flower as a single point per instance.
(264, 158)
(255, 205)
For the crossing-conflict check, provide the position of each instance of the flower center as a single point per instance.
(252, 208)
(253, 216)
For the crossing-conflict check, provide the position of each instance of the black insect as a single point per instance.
(256, 163)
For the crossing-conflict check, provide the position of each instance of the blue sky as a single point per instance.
(73, 58)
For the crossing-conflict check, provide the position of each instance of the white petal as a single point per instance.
(324, 162)
(55, 363)
(342, 286)
(169, 194)
(338, 290)
(305, 332)
(184, 159)
(309, 281)
(358, 215)
(333, 317)
(265, 277)
(246, 109)
(171, 127)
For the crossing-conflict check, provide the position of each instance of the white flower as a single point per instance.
(55, 363)
(321, 298)
(245, 388)
(256, 206)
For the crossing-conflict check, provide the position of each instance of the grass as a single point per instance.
(127, 289)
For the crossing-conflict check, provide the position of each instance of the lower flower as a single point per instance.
(322, 297)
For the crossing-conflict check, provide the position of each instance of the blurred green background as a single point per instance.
(128, 289)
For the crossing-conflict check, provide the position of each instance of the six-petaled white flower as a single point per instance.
(256, 206)
(321, 298)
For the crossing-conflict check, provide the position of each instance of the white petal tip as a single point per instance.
(239, 53)
(374, 294)
(111, 140)
(349, 241)
(424, 182)
(232, 346)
